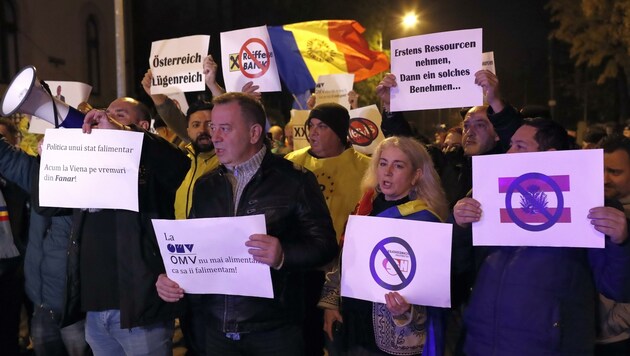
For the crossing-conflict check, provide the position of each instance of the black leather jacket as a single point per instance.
(296, 213)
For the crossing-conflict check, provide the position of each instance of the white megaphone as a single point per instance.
(27, 95)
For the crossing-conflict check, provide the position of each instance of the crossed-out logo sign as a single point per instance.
(253, 59)
(362, 131)
(534, 201)
(182, 253)
(393, 263)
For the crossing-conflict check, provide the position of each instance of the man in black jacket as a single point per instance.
(113, 255)
(251, 180)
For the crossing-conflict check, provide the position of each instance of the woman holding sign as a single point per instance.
(400, 183)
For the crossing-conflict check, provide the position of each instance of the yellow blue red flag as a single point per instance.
(306, 50)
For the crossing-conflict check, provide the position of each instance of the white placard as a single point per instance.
(298, 120)
(487, 62)
(436, 71)
(365, 129)
(209, 256)
(99, 170)
(247, 55)
(382, 255)
(538, 199)
(334, 88)
(177, 64)
(71, 93)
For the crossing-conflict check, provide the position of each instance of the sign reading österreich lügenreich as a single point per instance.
(177, 64)
(209, 256)
(436, 71)
(247, 55)
(99, 170)
(538, 199)
(382, 255)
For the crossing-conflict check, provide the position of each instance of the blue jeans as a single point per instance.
(51, 340)
(284, 341)
(103, 333)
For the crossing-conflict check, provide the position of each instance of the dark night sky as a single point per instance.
(516, 31)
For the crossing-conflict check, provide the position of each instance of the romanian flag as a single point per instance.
(306, 50)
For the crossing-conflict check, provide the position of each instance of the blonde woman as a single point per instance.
(400, 183)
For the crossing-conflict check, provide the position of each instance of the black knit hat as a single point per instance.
(333, 115)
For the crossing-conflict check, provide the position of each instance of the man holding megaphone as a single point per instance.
(117, 254)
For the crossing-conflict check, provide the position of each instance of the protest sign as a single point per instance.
(298, 120)
(436, 71)
(382, 255)
(364, 132)
(177, 64)
(247, 55)
(538, 198)
(209, 256)
(97, 170)
(334, 88)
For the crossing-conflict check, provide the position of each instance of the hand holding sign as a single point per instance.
(382, 89)
(168, 290)
(311, 101)
(210, 72)
(353, 99)
(396, 304)
(265, 249)
(490, 85)
(466, 211)
(611, 222)
(251, 89)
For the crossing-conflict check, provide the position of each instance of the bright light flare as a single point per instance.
(410, 20)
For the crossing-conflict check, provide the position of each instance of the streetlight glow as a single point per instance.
(410, 20)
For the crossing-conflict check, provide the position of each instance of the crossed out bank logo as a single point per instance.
(393, 263)
(362, 132)
(182, 253)
(535, 201)
(253, 59)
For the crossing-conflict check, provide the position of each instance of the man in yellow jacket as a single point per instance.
(339, 170)
(201, 153)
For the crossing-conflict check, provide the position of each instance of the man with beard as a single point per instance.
(201, 153)
(529, 300)
(196, 132)
(614, 317)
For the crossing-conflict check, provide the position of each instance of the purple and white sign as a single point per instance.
(538, 199)
(533, 212)
(382, 255)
